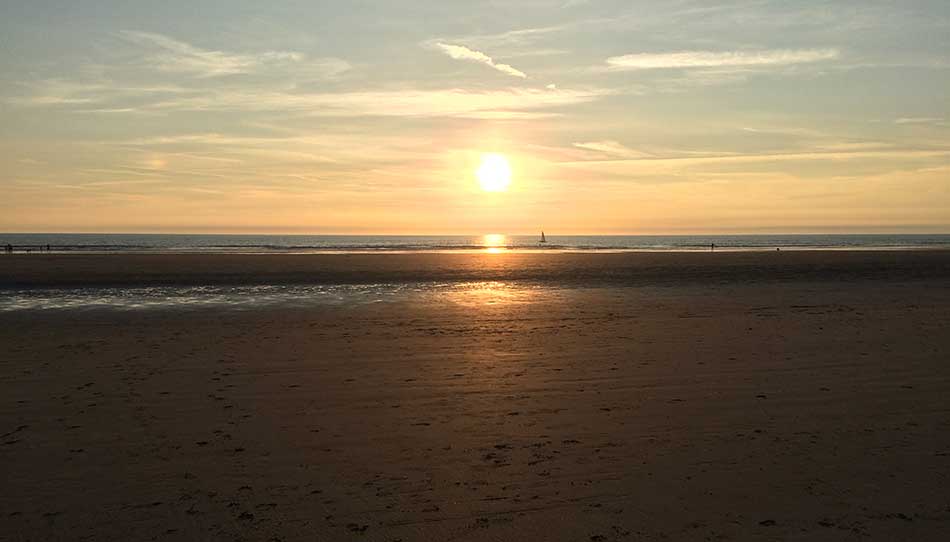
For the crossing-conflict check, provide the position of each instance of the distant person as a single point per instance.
(712, 247)
(9, 248)
(47, 248)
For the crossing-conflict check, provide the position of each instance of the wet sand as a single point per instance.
(704, 409)
(555, 269)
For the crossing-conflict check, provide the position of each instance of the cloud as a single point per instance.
(111, 111)
(171, 55)
(120, 89)
(612, 148)
(508, 103)
(508, 115)
(115, 99)
(56, 92)
(512, 38)
(713, 59)
(818, 155)
(460, 52)
(64, 92)
(536, 52)
(919, 120)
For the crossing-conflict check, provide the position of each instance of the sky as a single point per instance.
(616, 117)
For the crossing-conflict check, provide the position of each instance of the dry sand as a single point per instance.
(811, 408)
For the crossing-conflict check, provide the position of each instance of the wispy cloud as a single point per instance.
(508, 103)
(66, 93)
(715, 59)
(920, 120)
(517, 38)
(509, 115)
(460, 52)
(171, 55)
(119, 90)
(612, 149)
(536, 53)
(502, 104)
(817, 155)
(57, 92)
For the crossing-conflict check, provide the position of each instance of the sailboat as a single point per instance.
(543, 240)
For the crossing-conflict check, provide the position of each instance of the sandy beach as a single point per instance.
(726, 396)
(553, 269)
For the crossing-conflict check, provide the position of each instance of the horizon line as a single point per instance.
(520, 234)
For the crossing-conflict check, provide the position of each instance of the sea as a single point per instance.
(257, 296)
(233, 243)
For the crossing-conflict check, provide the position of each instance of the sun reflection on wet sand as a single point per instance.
(470, 294)
(490, 293)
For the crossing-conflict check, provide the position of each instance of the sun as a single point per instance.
(494, 174)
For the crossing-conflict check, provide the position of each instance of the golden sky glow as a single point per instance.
(586, 117)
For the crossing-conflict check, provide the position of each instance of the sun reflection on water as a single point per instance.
(494, 243)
